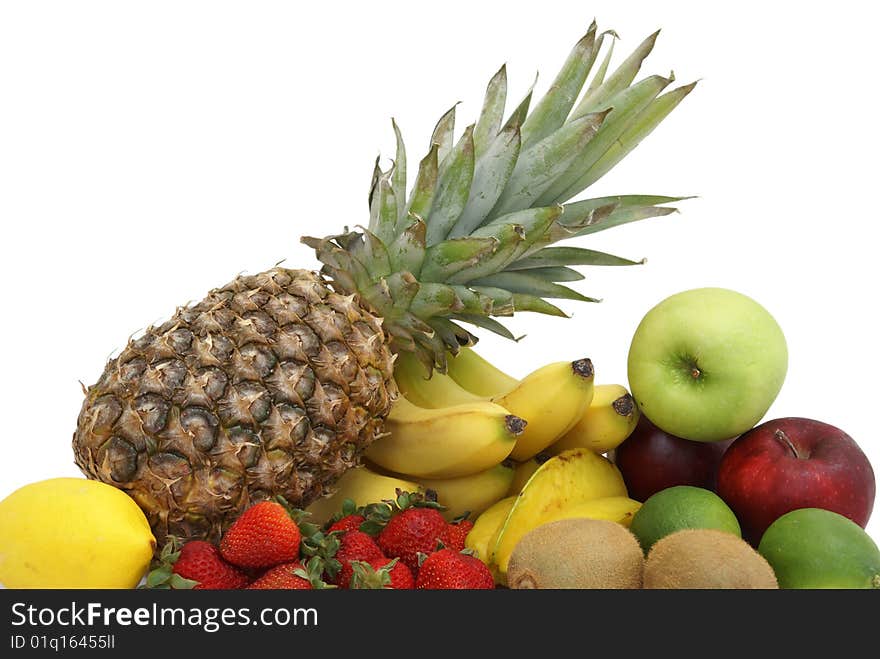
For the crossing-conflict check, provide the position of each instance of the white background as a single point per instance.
(151, 151)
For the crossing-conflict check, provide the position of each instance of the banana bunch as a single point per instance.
(475, 434)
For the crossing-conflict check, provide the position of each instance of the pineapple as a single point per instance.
(276, 383)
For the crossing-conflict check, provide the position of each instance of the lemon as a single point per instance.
(73, 533)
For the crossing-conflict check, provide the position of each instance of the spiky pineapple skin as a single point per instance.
(272, 385)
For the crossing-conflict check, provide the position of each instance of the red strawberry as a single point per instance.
(200, 561)
(378, 573)
(448, 569)
(354, 546)
(410, 532)
(347, 523)
(287, 576)
(456, 534)
(263, 536)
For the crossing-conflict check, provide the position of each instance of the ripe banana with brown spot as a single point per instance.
(448, 442)
(610, 419)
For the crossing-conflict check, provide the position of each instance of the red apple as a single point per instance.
(792, 463)
(652, 460)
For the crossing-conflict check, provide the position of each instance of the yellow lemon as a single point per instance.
(73, 533)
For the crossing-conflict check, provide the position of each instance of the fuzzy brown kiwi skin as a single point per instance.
(576, 553)
(706, 559)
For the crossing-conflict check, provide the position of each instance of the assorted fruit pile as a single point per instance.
(304, 430)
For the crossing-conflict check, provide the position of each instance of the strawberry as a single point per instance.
(264, 535)
(198, 565)
(379, 573)
(410, 532)
(347, 523)
(287, 576)
(448, 569)
(456, 533)
(354, 546)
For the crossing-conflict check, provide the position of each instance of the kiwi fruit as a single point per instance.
(576, 553)
(706, 559)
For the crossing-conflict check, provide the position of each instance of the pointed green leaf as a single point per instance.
(451, 256)
(407, 251)
(624, 108)
(521, 111)
(509, 237)
(473, 301)
(523, 302)
(521, 282)
(581, 214)
(577, 208)
(551, 111)
(426, 184)
(377, 172)
(378, 295)
(443, 134)
(434, 300)
(640, 127)
(491, 174)
(398, 175)
(557, 273)
(621, 78)
(535, 223)
(375, 256)
(492, 113)
(539, 166)
(403, 288)
(625, 216)
(599, 76)
(567, 227)
(502, 300)
(453, 336)
(486, 323)
(339, 264)
(383, 211)
(453, 189)
(433, 353)
(551, 257)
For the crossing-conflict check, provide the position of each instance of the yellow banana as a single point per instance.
(614, 509)
(445, 443)
(362, 486)
(435, 392)
(552, 398)
(470, 494)
(477, 375)
(610, 419)
(485, 533)
(523, 472)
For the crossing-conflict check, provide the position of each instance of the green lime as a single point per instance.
(814, 548)
(681, 507)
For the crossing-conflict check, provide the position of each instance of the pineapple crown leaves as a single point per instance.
(365, 577)
(162, 575)
(474, 238)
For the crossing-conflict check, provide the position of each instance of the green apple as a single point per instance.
(706, 364)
